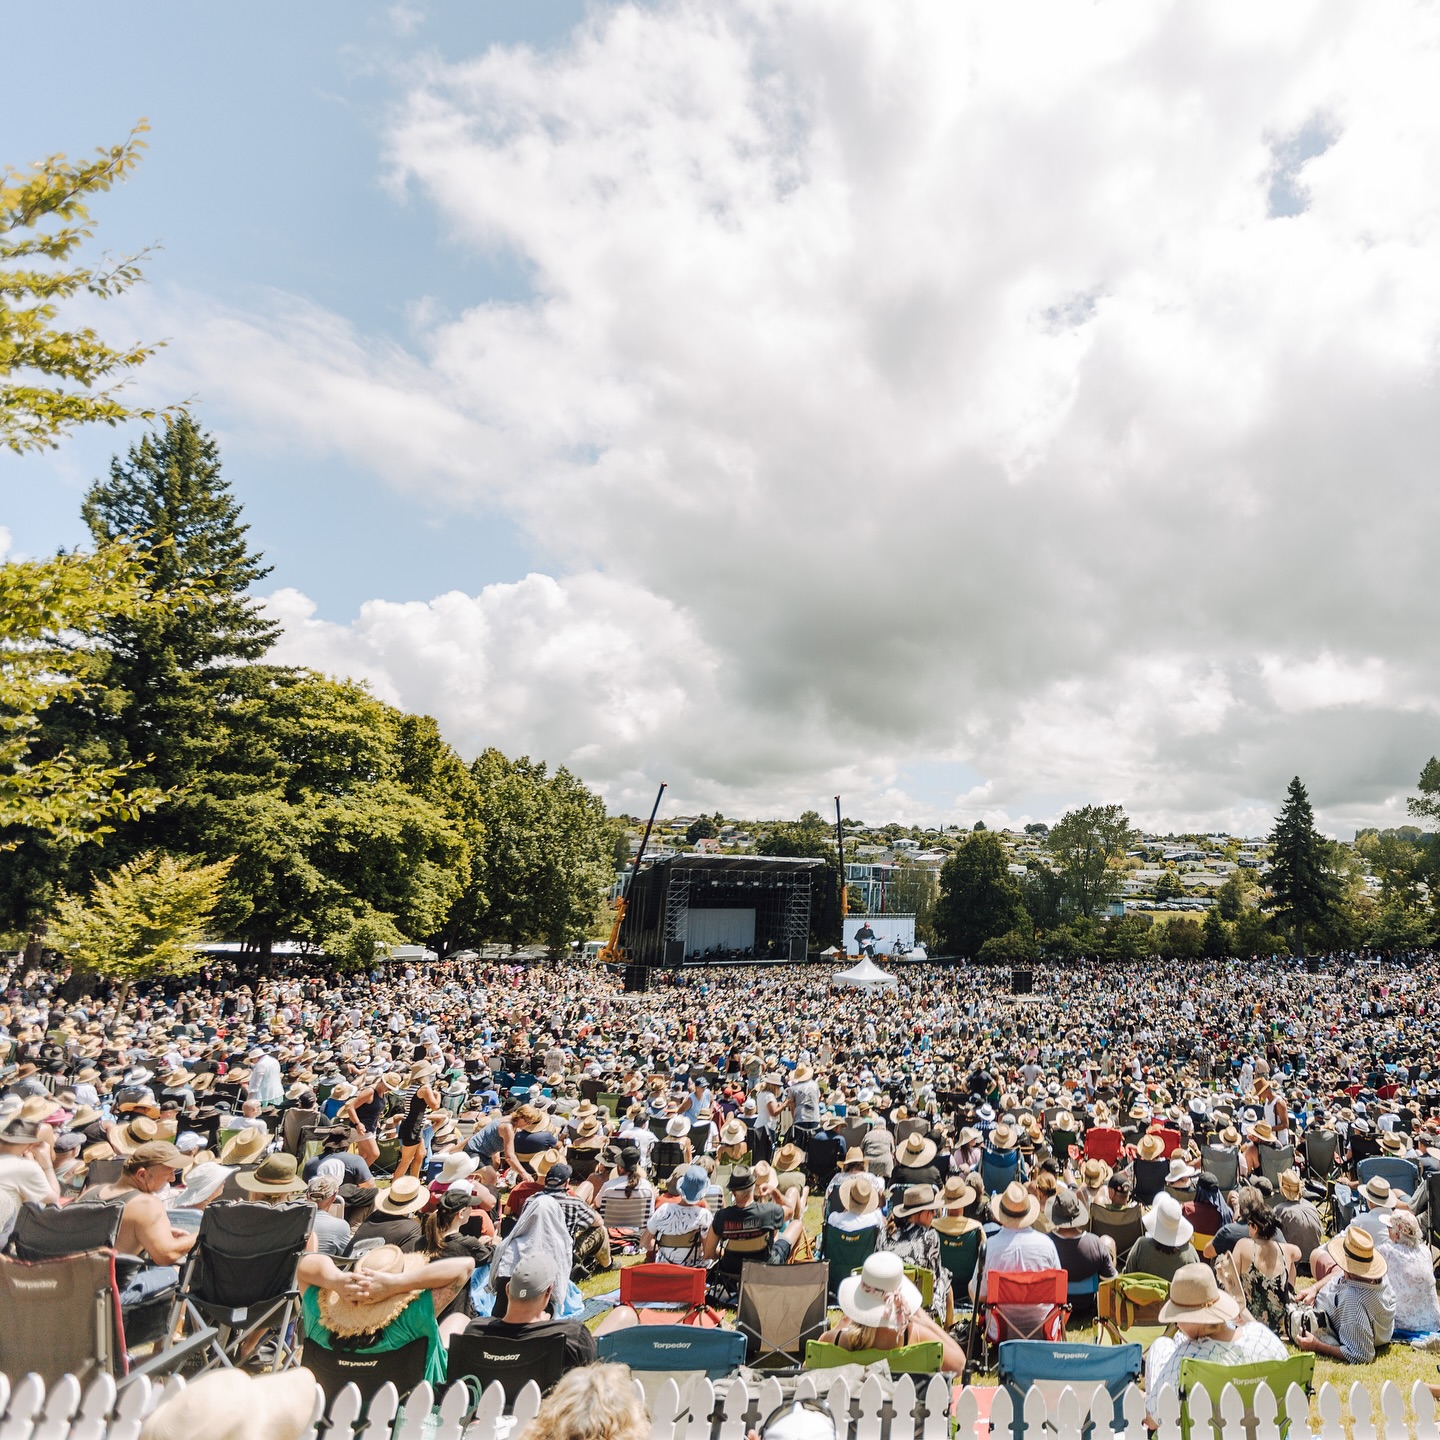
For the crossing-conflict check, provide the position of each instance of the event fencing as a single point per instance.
(899, 1410)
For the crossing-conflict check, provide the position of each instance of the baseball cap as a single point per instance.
(530, 1278)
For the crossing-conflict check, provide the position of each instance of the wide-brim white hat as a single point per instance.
(1166, 1224)
(878, 1292)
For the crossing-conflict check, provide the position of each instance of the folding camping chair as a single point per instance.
(103, 1172)
(1127, 1310)
(997, 1169)
(1223, 1164)
(1104, 1142)
(960, 1255)
(1279, 1375)
(922, 1358)
(656, 1353)
(1006, 1291)
(846, 1251)
(335, 1369)
(680, 1289)
(1403, 1175)
(625, 1217)
(1052, 1367)
(1275, 1160)
(293, 1124)
(62, 1317)
(781, 1307)
(240, 1277)
(1150, 1179)
(742, 1248)
(1123, 1224)
(512, 1360)
(50, 1232)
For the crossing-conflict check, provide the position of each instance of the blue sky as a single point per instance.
(974, 411)
(264, 173)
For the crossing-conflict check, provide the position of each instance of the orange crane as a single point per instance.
(612, 953)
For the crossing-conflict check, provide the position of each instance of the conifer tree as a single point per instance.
(1304, 889)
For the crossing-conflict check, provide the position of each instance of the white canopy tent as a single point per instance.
(867, 975)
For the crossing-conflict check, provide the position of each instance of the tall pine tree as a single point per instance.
(1304, 889)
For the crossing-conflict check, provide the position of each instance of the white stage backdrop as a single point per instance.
(887, 928)
(722, 929)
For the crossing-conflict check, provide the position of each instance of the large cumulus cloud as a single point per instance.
(1046, 389)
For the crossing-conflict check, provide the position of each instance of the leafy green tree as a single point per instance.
(1042, 892)
(702, 828)
(1085, 844)
(1182, 938)
(1426, 805)
(1305, 891)
(1015, 947)
(144, 920)
(51, 613)
(979, 898)
(1400, 927)
(1127, 938)
(913, 890)
(1168, 886)
(1255, 935)
(1230, 897)
(1216, 937)
(52, 380)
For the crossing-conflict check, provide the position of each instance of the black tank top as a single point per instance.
(370, 1112)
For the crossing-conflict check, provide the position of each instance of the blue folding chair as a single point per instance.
(997, 1169)
(1402, 1174)
(1052, 1365)
(1078, 1289)
(681, 1353)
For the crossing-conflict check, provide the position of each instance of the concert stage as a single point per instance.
(710, 909)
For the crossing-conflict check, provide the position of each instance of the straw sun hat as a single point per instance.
(1197, 1299)
(878, 1294)
(404, 1197)
(1015, 1208)
(344, 1316)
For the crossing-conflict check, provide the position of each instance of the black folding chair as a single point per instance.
(335, 1369)
(103, 1172)
(512, 1360)
(240, 1279)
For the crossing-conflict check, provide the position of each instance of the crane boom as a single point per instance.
(612, 953)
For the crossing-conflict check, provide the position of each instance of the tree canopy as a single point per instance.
(1304, 888)
(1084, 843)
(979, 898)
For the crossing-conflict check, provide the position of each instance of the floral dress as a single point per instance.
(1267, 1297)
(919, 1247)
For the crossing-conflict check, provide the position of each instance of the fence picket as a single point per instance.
(967, 1415)
(1069, 1417)
(1392, 1411)
(732, 1413)
(1361, 1426)
(1328, 1402)
(1167, 1413)
(1132, 1403)
(95, 1409)
(1232, 1411)
(1267, 1412)
(413, 1414)
(1036, 1412)
(701, 1409)
(1297, 1410)
(1422, 1404)
(317, 1414)
(131, 1407)
(1202, 1413)
(1002, 1415)
(526, 1406)
(453, 1405)
(25, 1407)
(485, 1423)
(903, 1403)
(62, 1404)
(344, 1412)
(937, 1409)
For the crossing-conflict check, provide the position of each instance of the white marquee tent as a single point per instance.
(866, 974)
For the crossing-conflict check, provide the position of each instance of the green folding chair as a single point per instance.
(846, 1251)
(1279, 1375)
(960, 1255)
(919, 1359)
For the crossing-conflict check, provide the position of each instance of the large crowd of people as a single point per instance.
(476, 1137)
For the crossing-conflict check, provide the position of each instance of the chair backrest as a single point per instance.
(847, 1250)
(998, 1168)
(1403, 1174)
(1275, 1160)
(1279, 1375)
(853, 1134)
(665, 1156)
(609, 1100)
(662, 1284)
(582, 1163)
(47, 1232)
(1123, 1224)
(716, 1353)
(103, 1172)
(1026, 1287)
(1150, 1179)
(627, 1212)
(1062, 1140)
(1322, 1148)
(61, 1317)
(512, 1360)
(296, 1121)
(960, 1254)
(245, 1253)
(1223, 1164)
(781, 1307)
(923, 1358)
(1432, 1189)
(335, 1369)
(904, 1129)
(1051, 1366)
(1103, 1143)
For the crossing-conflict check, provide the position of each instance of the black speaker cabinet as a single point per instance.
(637, 979)
(1022, 982)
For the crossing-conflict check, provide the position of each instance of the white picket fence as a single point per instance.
(727, 1411)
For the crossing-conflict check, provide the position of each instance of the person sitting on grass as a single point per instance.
(1349, 1313)
(883, 1311)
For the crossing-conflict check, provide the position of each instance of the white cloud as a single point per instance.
(915, 381)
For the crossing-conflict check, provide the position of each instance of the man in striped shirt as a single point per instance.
(1351, 1312)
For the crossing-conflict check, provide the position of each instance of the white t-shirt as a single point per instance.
(678, 1220)
(23, 1178)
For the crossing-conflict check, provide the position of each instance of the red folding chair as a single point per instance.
(1010, 1297)
(1171, 1141)
(1104, 1143)
(679, 1288)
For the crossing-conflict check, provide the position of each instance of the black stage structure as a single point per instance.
(714, 909)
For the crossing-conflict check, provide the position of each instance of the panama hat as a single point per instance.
(1180, 1173)
(1261, 1131)
(404, 1197)
(878, 1294)
(457, 1166)
(1015, 1207)
(275, 1175)
(802, 1074)
(733, 1132)
(1354, 1252)
(789, 1157)
(957, 1193)
(1094, 1173)
(1166, 1224)
(917, 1150)
(860, 1194)
(1378, 1194)
(587, 1127)
(1003, 1137)
(244, 1145)
(1229, 1136)
(343, 1316)
(1392, 1142)
(1290, 1184)
(1151, 1147)
(915, 1201)
(854, 1156)
(1197, 1299)
(677, 1127)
